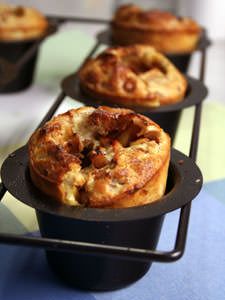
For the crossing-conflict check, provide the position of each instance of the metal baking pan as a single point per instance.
(131, 230)
(18, 61)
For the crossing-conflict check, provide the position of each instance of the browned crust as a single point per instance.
(133, 75)
(142, 102)
(21, 23)
(133, 17)
(137, 150)
(47, 186)
(143, 193)
(147, 30)
(156, 186)
(171, 42)
(163, 30)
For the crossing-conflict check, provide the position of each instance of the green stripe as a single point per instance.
(211, 158)
(9, 223)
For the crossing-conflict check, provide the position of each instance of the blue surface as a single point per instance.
(25, 276)
(199, 275)
(217, 189)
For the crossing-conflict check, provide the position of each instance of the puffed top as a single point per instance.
(133, 75)
(134, 17)
(21, 23)
(100, 157)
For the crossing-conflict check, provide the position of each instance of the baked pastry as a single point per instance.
(100, 157)
(21, 23)
(133, 75)
(163, 30)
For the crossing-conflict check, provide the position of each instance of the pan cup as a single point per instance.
(133, 227)
(12, 51)
(181, 61)
(99, 272)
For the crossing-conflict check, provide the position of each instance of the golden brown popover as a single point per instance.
(163, 30)
(133, 75)
(100, 157)
(21, 23)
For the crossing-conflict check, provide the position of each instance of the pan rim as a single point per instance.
(188, 183)
(196, 93)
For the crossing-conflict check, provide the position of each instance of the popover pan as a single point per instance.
(135, 227)
(13, 53)
(180, 60)
(166, 116)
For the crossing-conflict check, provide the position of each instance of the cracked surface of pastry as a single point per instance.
(100, 157)
(161, 29)
(21, 23)
(133, 75)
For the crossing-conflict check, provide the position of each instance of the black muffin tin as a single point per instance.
(18, 60)
(135, 227)
(106, 249)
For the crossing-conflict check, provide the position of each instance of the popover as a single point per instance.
(160, 29)
(100, 157)
(21, 23)
(133, 75)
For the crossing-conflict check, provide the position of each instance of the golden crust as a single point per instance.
(163, 30)
(104, 157)
(133, 75)
(21, 23)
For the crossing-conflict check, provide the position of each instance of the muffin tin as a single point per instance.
(137, 227)
(90, 249)
(18, 60)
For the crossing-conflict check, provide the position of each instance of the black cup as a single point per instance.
(181, 61)
(13, 51)
(96, 272)
(134, 227)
